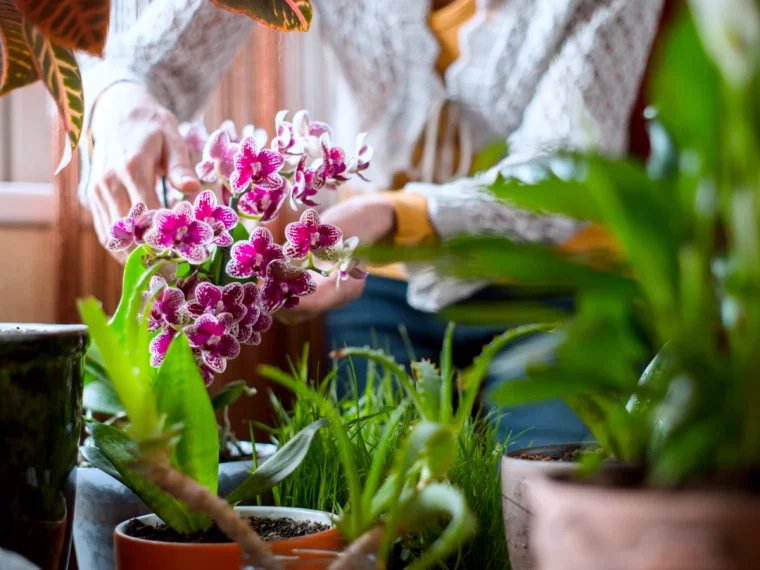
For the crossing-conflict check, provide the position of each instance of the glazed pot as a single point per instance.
(589, 527)
(103, 502)
(517, 473)
(139, 554)
(41, 376)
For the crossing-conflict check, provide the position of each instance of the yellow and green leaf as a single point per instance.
(284, 15)
(58, 69)
(73, 24)
(16, 66)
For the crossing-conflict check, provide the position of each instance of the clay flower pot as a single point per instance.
(138, 554)
(41, 376)
(103, 502)
(589, 527)
(517, 473)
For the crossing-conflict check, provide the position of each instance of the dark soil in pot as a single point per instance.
(268, 529)
(41, 375)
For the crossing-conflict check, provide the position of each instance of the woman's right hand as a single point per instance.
(136, 140)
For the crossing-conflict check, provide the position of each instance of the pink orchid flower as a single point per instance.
(196, 136)
(179, 231)
(168, 304)
(284, 285)
(218, 156)
(361, 161)
(215, 338)
(256, 321)
(251, 258)
(264, 203)
(131, 229)
(309, 234)
(308, 133)
(220, 218)
(256, 167)
(211, 299)
(307, 182)
(334, 162)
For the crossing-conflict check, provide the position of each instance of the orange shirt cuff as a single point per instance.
(412, 222)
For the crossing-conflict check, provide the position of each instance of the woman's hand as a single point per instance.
(370, 218)
(136, 140)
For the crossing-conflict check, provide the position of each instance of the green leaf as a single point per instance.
(57, 67)
(429, 386)
(133, 271)
(134, 388)
(231, 393)
(504, 313)
(278, 466)
(101, 398)
(16, 65)
(283, 15)
(426, 507)
(120, 450)
(94, 456)
(182, 396)
(489, 156)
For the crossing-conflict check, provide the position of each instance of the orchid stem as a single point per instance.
(164, 192)
(226, 251)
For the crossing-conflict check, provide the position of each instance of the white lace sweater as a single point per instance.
(536, 72)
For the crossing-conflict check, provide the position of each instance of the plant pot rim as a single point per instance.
(289, 512)
(536, 450)
(32, 331)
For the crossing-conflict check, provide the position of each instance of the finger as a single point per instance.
(139, 179)
(99, 218)
(177, 163)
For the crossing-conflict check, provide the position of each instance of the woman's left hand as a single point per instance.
(368, 217)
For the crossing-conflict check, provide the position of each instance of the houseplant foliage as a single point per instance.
(38, 39)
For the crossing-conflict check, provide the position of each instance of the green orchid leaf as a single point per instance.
(231, 393)
(278, 466)
(133, 271)
(101, 398)
(182, 397)
(120, 450)
(58, 68)
(133, 387)
(16, 65)
(283, 15)
(94, 456)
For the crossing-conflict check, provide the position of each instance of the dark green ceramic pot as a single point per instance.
(41, 375)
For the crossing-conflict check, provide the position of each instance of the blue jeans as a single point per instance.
(375, 319)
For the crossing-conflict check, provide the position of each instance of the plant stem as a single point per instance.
(226, 251)
(160, 472)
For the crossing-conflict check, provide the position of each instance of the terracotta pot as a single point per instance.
(588, 527)
(41, 376)
(138, 554)
(517, 472)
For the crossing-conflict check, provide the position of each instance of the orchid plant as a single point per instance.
(216, 283)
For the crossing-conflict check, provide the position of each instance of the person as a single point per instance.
(433, 82)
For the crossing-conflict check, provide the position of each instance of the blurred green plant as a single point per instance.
(688, 282)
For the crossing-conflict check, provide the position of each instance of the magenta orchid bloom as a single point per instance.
(256, 321)
(160, 344)
(251, 258)
(215, 338)
(218, 156)
(179, 231)
(211, 299)
(285, 139)
(168, 304)
(131, 229)
(308, 134)
(306, 183)
(348, 266)
(309, 234)
(220, 218)
(256, 167)
(335, 162)
(263, 203)
(206, 373)
(284, 285)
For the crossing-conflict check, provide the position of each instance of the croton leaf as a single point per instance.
(58, 68)
(74, 24)
(16, 66)
(284, 15)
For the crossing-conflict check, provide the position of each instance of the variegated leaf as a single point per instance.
(58, 69)
(16, 66)
(284, 15)
(75, 24)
